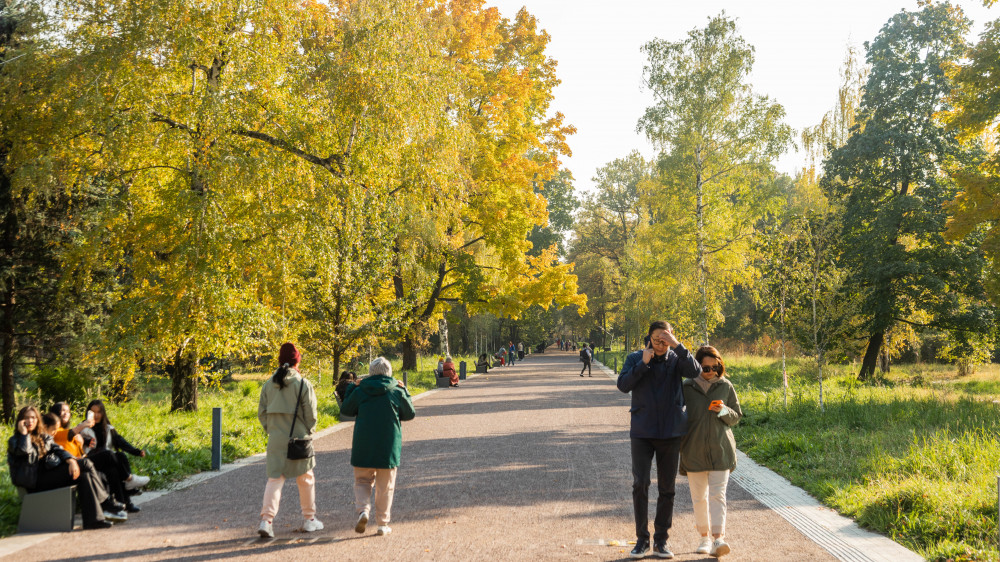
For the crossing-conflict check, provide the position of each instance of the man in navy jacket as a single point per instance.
(659, 420)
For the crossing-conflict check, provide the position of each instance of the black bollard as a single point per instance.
(216, 438)
(461, 370)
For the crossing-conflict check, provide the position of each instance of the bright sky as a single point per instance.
(800, 47)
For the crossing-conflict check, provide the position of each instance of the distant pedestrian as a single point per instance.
(511, 352)
(287, 409)
(653, 376)
(520, 351)
(708, 451)
(586, 357)
(380, 402)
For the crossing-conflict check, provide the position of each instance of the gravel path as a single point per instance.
(529, 462)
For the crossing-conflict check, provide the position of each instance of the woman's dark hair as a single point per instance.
(36, 434)
(709, 351)
(50, 420)
(280, 374)
(658, 325)
(56, 410)
(101, 427)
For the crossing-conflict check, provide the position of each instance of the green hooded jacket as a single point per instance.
(709, 443)
(380, 405)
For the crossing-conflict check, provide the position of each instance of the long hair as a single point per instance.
(35, 434)
(56, 410)
(101, 427)
(280, 374)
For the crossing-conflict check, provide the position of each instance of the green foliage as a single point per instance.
(915, 463)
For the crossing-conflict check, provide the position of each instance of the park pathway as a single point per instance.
(529, 462)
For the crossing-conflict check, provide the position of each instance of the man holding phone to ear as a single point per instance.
(659, 421)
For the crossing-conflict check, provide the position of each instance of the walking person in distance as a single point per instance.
(380, 403)
(287, 410)
(587, 357)
(708, 451)
(658, 423)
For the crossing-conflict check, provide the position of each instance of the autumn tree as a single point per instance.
(718, 140)
(892, 175)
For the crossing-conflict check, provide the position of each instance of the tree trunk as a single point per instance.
(9, 344)
(337, 354)
(443, 336)
(700, 234)
(409, 354)
(868, 364)
(184, 387)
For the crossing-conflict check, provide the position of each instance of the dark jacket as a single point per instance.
(24, 460)
(380, 405)
(657, 401)
(709, 443)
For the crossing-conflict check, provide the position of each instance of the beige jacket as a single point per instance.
(275, 412)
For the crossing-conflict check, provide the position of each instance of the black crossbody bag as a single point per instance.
(299, 449)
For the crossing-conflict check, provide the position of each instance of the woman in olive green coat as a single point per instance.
(276, 412)
(708, 451)
(380, 402)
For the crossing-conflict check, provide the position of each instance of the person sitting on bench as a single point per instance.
(104, 460)
(483, 365)
(104, 438)
(448, 370)
(37, 464)
(345, 380)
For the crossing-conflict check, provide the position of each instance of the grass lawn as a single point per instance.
(914, 457)
(178, 444)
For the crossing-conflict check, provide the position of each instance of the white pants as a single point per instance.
(708, 494)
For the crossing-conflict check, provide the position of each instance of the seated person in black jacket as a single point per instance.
(37, 464)
(105, 448)
(345, 380)
(483, 362)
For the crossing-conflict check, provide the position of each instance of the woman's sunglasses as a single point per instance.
(710, 368)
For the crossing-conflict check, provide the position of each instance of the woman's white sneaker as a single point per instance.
(362, 522)
(136, 482)
(705, 546)
(719, 548)
(312, 525)
(383, 530)
(265, 530)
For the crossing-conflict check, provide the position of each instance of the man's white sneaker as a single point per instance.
(383, 530)
(312, 525)
(705, 546)
(266, 530)
(362, 523)
(115, 516)
(719, 548)
(136, 482)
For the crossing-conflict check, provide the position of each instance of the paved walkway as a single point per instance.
(529, 462)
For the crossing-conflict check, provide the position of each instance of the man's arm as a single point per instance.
(632, 372)
(687, 366)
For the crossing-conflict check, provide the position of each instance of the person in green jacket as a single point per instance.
(708, 451)
(380, 403)
(276, 412)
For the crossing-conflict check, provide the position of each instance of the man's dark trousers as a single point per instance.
(667, 452)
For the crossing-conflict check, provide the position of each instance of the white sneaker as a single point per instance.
(136, 482)
(362, 522)
(383, 530)
(705, 546)
(719, 548)
(115, 516)
(312, 525)
(266, 530)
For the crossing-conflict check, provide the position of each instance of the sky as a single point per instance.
(800, 46)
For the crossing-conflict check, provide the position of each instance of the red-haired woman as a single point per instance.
(708, 451)
(37, 464)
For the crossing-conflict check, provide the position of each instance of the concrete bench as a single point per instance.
(51, 511)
